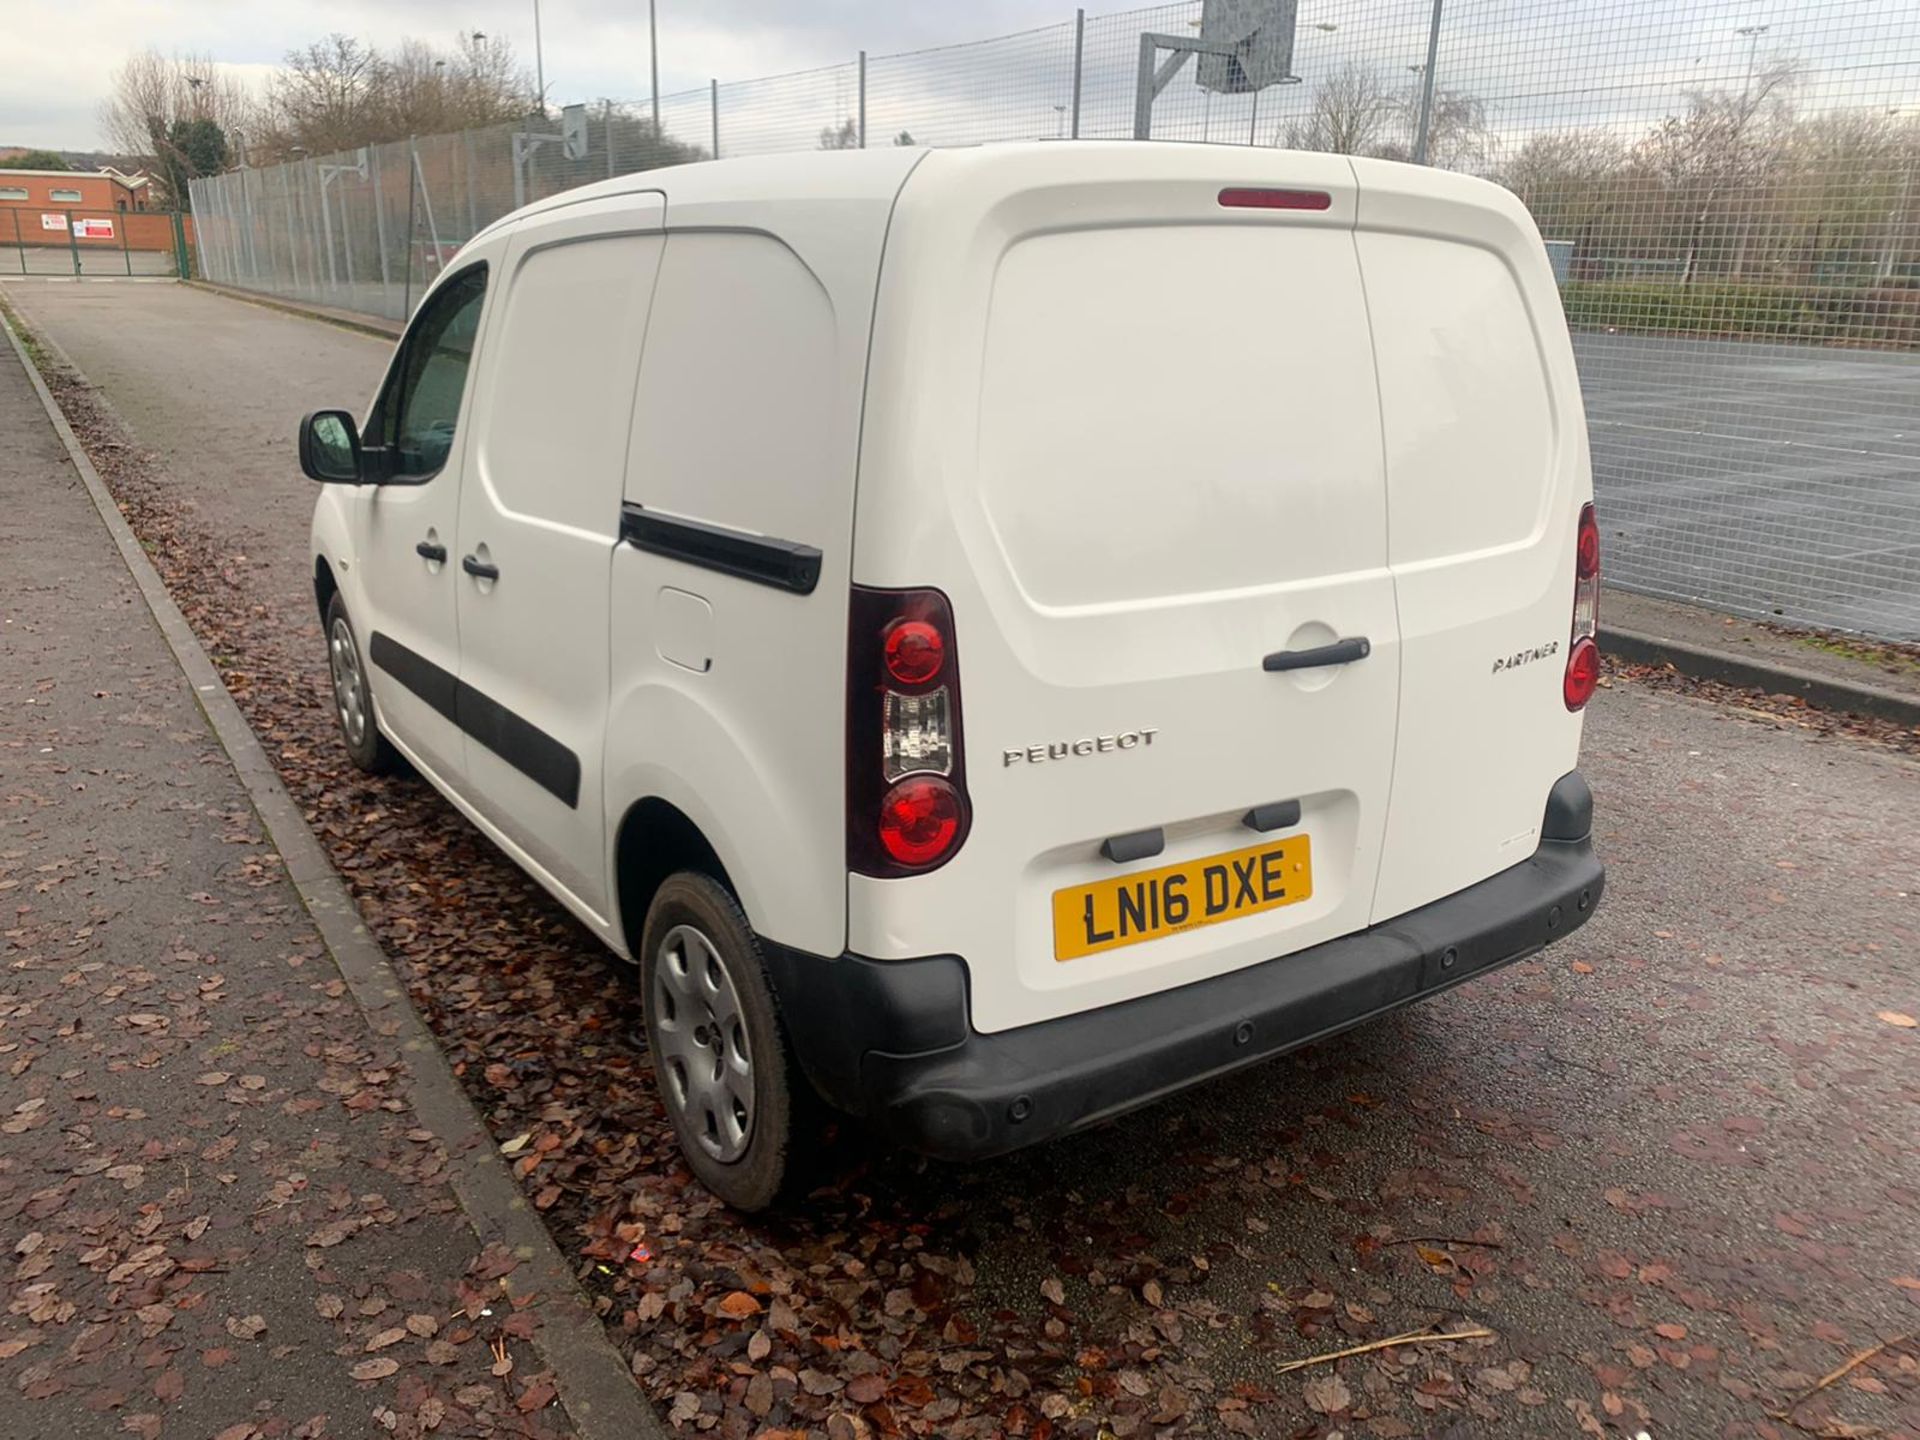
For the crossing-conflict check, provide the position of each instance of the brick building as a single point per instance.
(81, 207)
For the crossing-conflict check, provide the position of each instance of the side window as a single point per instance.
(416, 416)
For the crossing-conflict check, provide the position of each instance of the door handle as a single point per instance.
(1340, 652)
(479, 569)
(427, 550)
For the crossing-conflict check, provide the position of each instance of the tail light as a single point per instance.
(907, 809)
(1583, 656)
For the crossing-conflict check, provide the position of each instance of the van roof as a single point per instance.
(752, 180)
(770, 192)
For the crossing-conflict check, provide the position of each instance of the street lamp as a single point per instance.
(1753, 34)
(653, 61)
(539, 64)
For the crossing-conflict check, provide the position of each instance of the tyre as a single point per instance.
(352, 696)
(720, 1054)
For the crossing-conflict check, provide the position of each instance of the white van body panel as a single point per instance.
(1125, 528)
(540, 498)
(727, 696)
(1487, 468)
(1138, 439)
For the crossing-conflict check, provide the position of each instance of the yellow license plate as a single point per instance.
(1150, 903)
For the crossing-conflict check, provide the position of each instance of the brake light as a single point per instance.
(1247, 198)
(1583, 655)
(907, 807)
(914, 651)
(919, 819)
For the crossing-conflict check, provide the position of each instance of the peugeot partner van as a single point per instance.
(997, 635)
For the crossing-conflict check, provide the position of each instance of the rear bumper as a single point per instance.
(889, 1040)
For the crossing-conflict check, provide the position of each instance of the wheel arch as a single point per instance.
(325, 587)
(655, 839)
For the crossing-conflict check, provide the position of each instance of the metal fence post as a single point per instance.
(1143, 91)
(1426, 89)
(73, 241)
(413, 178)
(611, 172)
(863, 99)
(379, 217)
(426, 199)
(714, 92)
(126, 251)
(1079, 54)
(19, 245)
(253, 239)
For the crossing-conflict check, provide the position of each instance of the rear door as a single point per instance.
(1134, 435)
(1487, 467)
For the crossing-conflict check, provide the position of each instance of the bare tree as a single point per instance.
(1575, 184)
(340, 93)
(1354, 112)
(1723, 144)
(155, 99)
(844, 136)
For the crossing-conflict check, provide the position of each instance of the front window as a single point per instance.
(416, 417)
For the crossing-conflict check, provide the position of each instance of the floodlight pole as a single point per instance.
(653, 59)
(1079, 50)
(1425, 124)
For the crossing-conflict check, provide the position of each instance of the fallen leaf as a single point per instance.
(386, 1338)
(1052, 1290)
(1671, 1331)
(245, 1327)
(1895, 1017)
(865, 1389)
(377, 1368)
(738, 1305)
(1327, 1395)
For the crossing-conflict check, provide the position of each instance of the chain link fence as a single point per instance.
(1727, 188)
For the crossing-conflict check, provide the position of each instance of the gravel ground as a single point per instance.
(1668, 1168)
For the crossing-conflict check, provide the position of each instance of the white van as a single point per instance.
(997, 635)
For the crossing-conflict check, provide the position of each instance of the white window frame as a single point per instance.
(64, 196)
(13, 192)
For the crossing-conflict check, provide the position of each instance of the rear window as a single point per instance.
(1179, 410)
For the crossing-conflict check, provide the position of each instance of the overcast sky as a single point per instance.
(1535, 64)
(61, 56)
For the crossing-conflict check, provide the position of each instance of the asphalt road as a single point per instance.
(1772, 480)
(1670, 1165)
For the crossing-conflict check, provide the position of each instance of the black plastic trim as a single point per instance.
(783, 564)
(516, 740)
(1277, 816)
(892, 1041)
(1340, 652)
(1569, 809)
(439, 687)
(1138, 845)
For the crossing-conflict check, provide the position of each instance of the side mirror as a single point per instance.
(330, 448)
